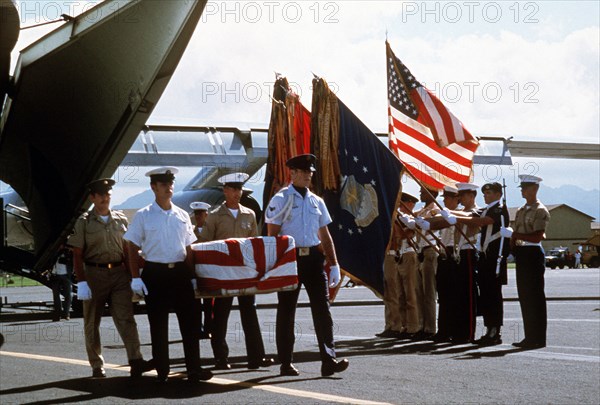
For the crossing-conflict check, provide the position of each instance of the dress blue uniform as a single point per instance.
(301, 214)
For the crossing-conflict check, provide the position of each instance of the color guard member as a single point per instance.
(491, 273)
(408, 273)
(530, 226)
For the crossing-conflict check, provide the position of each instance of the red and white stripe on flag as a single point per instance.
(242, 266)
(415, 146)
(446, 128)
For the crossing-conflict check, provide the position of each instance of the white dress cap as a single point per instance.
(199, 206)
(528, 178)
(467, 187)
(162, 170)
(450, 190)
(234, 178)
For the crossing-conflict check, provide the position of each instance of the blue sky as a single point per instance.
(524, 69)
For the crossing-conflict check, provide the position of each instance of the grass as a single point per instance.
(8, 281)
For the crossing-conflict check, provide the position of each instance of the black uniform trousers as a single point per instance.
(530, 287)
(312, 275)
(171, 288)
(465, 296)
(445, 279)
(490, 291)
(254, 343)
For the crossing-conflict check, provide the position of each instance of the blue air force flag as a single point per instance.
(363, 206)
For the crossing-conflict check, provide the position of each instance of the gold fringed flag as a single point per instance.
(289, 135)
(360, 179)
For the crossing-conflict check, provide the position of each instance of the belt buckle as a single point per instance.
(520, 242)
(303, 251)
(171, 265)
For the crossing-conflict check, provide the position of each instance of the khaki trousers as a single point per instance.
(114, 285)
(391, 294)
(427, 270)
(409, 298)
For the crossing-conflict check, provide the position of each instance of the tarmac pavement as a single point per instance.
(45, 362)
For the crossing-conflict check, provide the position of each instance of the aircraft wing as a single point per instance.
(562, 150)
(216, 151)
(82, 95)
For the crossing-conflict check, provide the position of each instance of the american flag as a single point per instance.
(243, 266)
(423, 133)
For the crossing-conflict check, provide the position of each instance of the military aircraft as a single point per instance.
(91, 117)
(78, 99)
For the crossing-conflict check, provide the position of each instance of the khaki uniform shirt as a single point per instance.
(101, 242)
(221, 224)
(533, 218)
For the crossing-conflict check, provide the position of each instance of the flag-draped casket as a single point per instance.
(244, 266)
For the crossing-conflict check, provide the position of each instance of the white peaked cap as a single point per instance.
(467, 187)
(162, 170)
(528, 178)
(199, 206)
(233, 178)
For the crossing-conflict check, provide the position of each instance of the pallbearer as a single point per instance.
(297, 212)
(164, 234)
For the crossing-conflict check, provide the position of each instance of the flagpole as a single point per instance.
(438, 240)
(411, 242)
(458, 228)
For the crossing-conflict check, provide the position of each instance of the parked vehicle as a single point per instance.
(590, 253)
(560, 257)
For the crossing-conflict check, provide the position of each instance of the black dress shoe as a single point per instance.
(139, 367)
(288, 370)
(440, 338)
(487, 340)
(388, 333)
(222, 364)
(420, 335)
(330, 367)
(202, 375)
(403, 335)
(98, 372)
(460, 340)
(526, 344)
(264, 362)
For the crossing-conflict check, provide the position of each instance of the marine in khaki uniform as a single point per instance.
(409, 298)
(98, 261)
(530, 225)
(233, 220)
(428, 256)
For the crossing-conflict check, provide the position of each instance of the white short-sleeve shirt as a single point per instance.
(162, 235)
(307, 215)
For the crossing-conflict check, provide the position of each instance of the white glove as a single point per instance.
(194, 284)
(138, 287)
(334, 275)
(83, 291)
(448, 216)
(506, 232)
(422, 223)
(407, 221)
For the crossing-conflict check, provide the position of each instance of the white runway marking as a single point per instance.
(214, 380)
